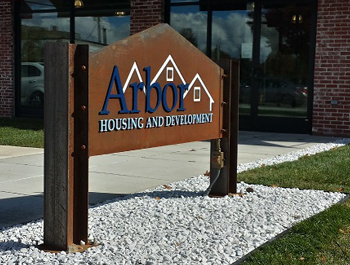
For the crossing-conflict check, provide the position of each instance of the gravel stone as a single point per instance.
(180, 225)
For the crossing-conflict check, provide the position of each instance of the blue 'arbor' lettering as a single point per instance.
(148, 91)
(161, 96)
(120, 95)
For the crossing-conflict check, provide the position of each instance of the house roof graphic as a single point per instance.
(171, 60)
(133, 69)
(197, 77)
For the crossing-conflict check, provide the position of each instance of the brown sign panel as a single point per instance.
(152, 89)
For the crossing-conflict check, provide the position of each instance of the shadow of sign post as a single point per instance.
(151, 89)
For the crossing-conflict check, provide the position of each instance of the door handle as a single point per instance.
(32, 81)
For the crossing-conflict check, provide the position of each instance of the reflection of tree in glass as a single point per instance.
(189, 35)
(217, 53)
(290, 56)
(34, 38)
(288, 41)
(32, 51)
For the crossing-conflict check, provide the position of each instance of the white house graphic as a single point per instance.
(197, 91)
(169, 71)
(171, 68)
(133, 69)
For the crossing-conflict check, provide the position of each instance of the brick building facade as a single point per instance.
(144, 14)
(7, 91)
(331, 108)
(331, 95)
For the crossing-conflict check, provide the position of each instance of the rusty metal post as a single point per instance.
(234, 123)
(66, 147)
(227, 181)
(81, 145)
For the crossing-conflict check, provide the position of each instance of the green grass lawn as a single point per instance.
(324, 238)
(22, 132)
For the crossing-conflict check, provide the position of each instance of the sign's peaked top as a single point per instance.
(161, 37)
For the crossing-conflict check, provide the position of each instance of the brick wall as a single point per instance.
(145, 13)
(7, 94)
(332, 69)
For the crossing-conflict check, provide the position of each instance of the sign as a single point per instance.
(152, 89)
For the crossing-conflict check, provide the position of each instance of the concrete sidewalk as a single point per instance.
(21, 170)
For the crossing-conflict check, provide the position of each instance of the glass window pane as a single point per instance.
(101, 31)
(284, 61)
(35, 32)
(232, 38)
(190, 23)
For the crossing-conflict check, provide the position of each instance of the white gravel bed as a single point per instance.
(175, 224)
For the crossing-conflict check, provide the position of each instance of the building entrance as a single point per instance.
(274, 42)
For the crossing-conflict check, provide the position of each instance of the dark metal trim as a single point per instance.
(184, 3)
(209, 29)
(285, 2)
(72, 23)
(256, 65)
(167, 11)
(310, 96)
(81, 144)
(68, 9)
(235, 81)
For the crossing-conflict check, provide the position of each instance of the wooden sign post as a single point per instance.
(66, 160)
(151, 89)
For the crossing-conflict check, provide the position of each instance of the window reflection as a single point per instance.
(35, 32)
(232, 38)
(284, 60)
(97, 24)
(191, 23)
(101, 31)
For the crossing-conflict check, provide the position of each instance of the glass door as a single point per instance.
(282, 67)
(272, 41)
